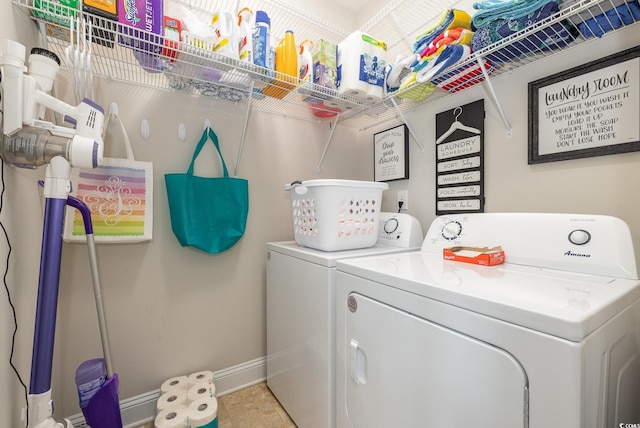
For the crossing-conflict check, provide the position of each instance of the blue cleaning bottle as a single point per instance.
(261, 39)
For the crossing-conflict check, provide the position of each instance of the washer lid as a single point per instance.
(561, 303)
(329, 258)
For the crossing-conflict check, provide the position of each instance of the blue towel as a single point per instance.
(624, 14)
(491, 10)
(555, 36)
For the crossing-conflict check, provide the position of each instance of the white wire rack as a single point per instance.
(197, 70)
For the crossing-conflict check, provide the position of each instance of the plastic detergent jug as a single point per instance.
(286, 67)
(261, 39)
(224, 26)
(245, 35)
(305, 62)
(361, 64)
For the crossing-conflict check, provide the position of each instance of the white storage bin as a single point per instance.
(334, 215)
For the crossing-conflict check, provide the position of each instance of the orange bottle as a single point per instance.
(286, 68)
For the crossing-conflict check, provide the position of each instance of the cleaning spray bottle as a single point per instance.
(245, 35)
(261, 39)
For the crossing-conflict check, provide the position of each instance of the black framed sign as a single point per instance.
(391, 154)
(460, 159)
(590, 110)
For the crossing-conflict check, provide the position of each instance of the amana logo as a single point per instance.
(572, 254)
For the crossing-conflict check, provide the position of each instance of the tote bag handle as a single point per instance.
(207, 133)
(113, 113)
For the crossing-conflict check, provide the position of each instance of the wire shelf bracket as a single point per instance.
(334, 124)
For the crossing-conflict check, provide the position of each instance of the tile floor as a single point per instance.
(253, 407)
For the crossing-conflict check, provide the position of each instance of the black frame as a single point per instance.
(403, 139)
(534, 104)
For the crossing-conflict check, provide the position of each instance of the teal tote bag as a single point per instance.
(209, 214)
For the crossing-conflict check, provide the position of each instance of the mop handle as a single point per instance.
(97, 290)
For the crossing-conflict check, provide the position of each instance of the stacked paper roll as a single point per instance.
(361, 63)
(175, 417)
(188, 401)
(198, 377)
(203, 389)
(172, 398)
(203, 413)
(178, 382)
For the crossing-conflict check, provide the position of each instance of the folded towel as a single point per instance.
(450, 56)
(451, 18)
(490, 10)
(463, 77)
(624, 14)
(555, 36)
(396, 72)
(457, 36)
(412, 91)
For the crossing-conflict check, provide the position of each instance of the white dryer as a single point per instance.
(301, 318)
(550, 338)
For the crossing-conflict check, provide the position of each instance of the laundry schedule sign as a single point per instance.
(459, 159)
(590, 110)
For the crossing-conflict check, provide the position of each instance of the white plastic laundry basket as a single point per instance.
(333, 215)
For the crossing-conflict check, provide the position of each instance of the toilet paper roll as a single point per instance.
(203, 413)
(178, 382)
(171, 399)
(204, 375)
(175, 417)
(203, 389)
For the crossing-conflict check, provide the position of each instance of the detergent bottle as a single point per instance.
(245, 35)
(286, 67)
(305, 62)
(226, 38)
(261, 39)
(287, 56)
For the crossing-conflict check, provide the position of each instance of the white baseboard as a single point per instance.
(141, 409)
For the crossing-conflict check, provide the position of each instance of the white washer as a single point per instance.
(550, 338)
(301, 318)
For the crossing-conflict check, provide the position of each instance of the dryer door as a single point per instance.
(404, 371)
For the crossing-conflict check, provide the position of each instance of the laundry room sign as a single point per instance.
(590, 110)
(460, 159)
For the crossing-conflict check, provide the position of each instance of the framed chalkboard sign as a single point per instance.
(590, 110)
(391, 154)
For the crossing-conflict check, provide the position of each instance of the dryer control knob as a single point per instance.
(579, 237)
(451, 230)
(391, 225)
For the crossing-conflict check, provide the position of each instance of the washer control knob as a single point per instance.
(579, 237)
(451, 230)
(391, 225)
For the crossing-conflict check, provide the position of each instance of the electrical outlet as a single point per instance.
(403, 196)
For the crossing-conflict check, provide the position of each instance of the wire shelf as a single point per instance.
(189, 67)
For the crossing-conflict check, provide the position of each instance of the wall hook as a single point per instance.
(182, 131)
(144, 129)
(113, 112)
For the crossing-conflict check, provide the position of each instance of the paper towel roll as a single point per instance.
(178, 382)
(361, 62)
(203, 389)
(171, 399)
(203, 413)
(204, 375)
(175, 417)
